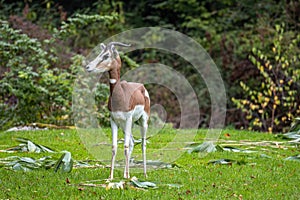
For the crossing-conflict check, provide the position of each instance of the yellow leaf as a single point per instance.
(248, 117)
(270, 129)
(270, 67)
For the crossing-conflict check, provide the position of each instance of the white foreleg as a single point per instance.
(131, 146)
(114, 130)
(127, 138)
(144, 128)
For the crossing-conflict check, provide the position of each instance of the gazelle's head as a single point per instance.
(108, 59)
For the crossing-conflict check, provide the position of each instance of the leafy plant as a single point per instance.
(84, 29)
(295, 158)
(17, 163)
(206, 147)
(210, 147)
(65, 163)
(27, 145)
(294, 132)
(146, 184)
(273, 101)
(295, 126)
(226, 161)
(29, 89)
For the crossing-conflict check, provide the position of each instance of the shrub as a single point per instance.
(29, 89)
(34, 87)
(273, 101)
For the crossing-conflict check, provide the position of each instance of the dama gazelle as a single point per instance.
(128, 103)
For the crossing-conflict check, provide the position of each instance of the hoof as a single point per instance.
(127, 176)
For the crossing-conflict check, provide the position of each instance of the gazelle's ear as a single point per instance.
(114, 51)
(102, 46)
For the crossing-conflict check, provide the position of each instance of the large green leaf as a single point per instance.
(295, 158)
(140, 184)
(65, 163)
(222, 161)
(291, 135)
(27, 145)
(205, 147)
(17, 163)
(294, 132)
(115, 185)
(233, 149)
(157, 164)
(295, 126)
(226, 161)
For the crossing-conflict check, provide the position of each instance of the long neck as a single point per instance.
(114, 75)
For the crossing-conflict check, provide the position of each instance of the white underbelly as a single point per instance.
(120, 117)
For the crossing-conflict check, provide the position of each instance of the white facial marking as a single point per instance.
(103, 57)
(112, 81)
(100, 70)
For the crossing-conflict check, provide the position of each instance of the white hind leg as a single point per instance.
(114, 130)
(127, 139)
(131, 146)
(144, 128)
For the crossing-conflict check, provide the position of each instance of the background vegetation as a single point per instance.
(255, 44)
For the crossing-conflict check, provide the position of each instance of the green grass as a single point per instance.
(253, 177)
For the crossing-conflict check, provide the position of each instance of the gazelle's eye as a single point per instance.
(105, 57)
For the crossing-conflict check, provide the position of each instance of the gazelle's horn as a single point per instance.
(118, 44)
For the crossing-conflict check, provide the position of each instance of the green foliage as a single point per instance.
(65, 163)
(28, 146)
(84, 29)
(273, 101)
(31, 90)
(40, 64)
(37, 75)
(28, 85)
(294, 131)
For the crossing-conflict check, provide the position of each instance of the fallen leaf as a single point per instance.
(65, 163)
(146, 184)
(188, 192)
(225, 161)
(115, 185)
(227, 135)
(233, 149)
(206, 147)
(295, 158)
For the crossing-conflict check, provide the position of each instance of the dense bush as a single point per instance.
(273, 101)
(30, 90)
(35, 84)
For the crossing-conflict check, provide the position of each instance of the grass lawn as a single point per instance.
(263, 174)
